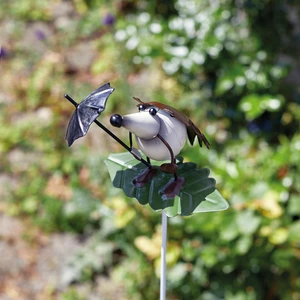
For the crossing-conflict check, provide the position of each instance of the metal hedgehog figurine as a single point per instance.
(161, 132)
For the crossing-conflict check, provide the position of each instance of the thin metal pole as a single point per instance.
(163, 263)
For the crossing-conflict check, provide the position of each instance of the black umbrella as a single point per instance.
(87, 112)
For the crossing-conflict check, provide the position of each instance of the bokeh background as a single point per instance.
(233, 66)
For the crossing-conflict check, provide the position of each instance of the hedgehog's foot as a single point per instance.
(144, 177)
(173, 187)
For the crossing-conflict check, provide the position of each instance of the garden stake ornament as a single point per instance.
(160, 131)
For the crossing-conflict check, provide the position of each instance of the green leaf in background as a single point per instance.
(177, 273)
(253, 105)
(247, 222)
(243, 244)
(294, 206)
(198, 194)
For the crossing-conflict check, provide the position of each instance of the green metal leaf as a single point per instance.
(197, 195)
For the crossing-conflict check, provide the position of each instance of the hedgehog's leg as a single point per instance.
(146, 175)
(173, 187)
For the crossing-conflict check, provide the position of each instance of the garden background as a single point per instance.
(232, 66)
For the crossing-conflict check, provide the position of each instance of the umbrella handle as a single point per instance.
(110, 133)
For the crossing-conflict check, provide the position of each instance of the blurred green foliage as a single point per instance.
(232, 66)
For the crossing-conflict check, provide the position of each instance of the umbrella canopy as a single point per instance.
(87, 112)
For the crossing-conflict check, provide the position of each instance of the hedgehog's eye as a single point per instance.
(152, 111)
(142, 107)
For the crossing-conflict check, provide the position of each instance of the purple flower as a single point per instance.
(3, 52)
(109, 20)
(253, 127)
(40, 34)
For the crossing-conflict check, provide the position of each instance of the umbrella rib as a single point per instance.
(79, 120)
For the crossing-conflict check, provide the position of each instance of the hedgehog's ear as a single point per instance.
(138, 100)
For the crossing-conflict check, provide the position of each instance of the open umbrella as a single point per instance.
(87, 112)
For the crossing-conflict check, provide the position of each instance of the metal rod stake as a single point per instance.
(163, 263)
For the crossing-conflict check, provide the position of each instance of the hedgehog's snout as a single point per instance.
(116, 120)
